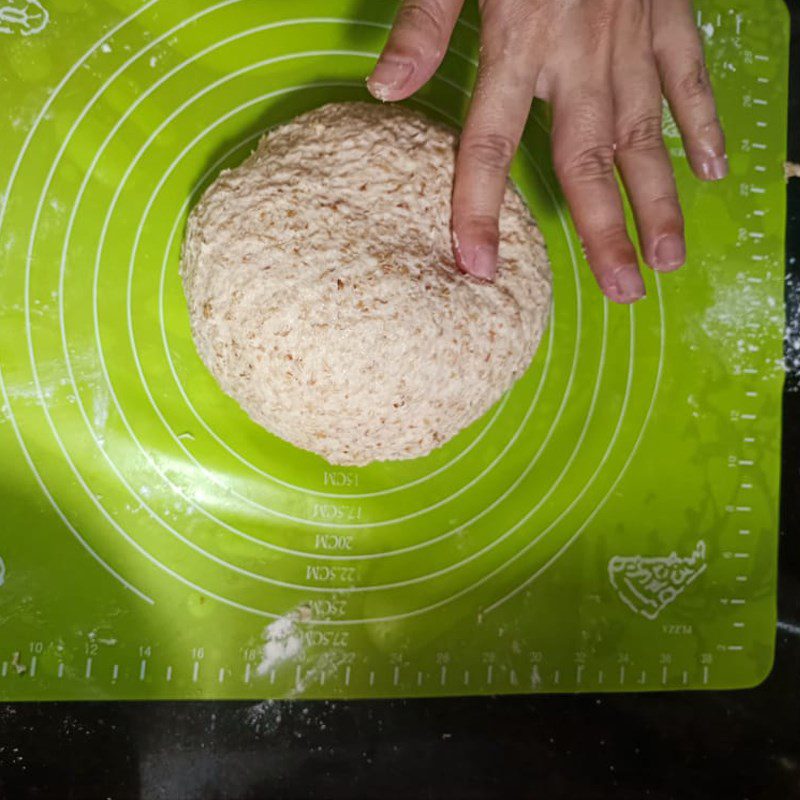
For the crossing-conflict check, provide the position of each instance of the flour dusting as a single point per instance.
(283, 641)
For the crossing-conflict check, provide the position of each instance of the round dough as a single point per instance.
(324, 297)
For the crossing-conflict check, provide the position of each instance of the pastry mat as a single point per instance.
(610, 526)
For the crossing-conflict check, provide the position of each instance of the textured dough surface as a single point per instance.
(324, 297)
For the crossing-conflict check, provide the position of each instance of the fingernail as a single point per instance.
(484, 264)
(626, 286)
(479, 261)
(389, 76)
(670, 253)
(715, 168)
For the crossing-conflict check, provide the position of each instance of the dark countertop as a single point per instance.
(728, 745)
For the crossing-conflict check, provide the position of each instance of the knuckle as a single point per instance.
(665, 208)
(422, 15)
(609, 245)
(695, 82)
(481, 227)
(711, 130)
(508, 27)
(642, 133)
(600, 19)
(670, 202)
(614, 235)
(492, 150)
(589, 164)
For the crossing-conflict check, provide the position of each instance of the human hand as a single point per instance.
(603, 65)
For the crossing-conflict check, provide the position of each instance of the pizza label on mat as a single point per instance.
(648, 585)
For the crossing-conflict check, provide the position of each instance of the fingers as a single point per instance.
(500, 106)
(415, 49)
(583, 153)
(641, 156)
(679, 53)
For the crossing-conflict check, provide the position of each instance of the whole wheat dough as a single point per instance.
(324, 297)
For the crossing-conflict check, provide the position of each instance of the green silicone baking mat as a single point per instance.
(611, 525)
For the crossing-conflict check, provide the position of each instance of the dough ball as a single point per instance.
(324, 297)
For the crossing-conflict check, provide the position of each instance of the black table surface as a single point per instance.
(727, 745)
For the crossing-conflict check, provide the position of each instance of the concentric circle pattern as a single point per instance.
(165, 480)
